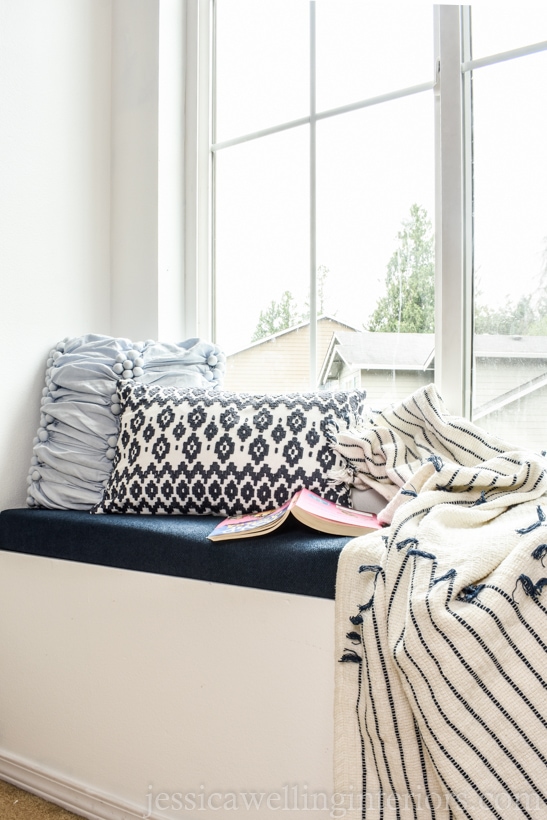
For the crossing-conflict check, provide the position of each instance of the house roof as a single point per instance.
(512, 347)
(366, 350)
(292, 329)
(378, 351)
(515, 394)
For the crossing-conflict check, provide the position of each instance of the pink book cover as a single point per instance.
(307, 507)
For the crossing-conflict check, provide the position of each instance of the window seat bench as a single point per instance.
(293, 559)
(141, 662)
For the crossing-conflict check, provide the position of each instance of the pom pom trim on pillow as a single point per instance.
(74, 447)
(208, 452)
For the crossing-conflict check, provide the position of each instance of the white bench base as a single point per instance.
(125, 693)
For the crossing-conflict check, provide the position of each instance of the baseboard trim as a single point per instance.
(70, 795)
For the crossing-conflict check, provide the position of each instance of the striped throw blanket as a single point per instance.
(441, 624)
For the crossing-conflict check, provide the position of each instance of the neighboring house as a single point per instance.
(510, 388)
(280, 363)
(389, 366)
(509, 376)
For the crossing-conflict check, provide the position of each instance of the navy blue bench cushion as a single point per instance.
(293, 559)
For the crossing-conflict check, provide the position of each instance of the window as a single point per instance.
(322, 154)
(510, 225)
(357, 165)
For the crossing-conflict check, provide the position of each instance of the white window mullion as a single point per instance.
(198, 290)
(210, 293)
(313, 205)
(467, 219)
(492, 59)
(370, 102)
(453, 325)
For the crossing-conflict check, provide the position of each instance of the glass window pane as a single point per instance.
(501, 27)
(510, 250)
(262, 64)
(367, 49)
(375, 195)
(262, 254)
(375, 244)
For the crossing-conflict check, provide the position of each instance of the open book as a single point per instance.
(307, 507)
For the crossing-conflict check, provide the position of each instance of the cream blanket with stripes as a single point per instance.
(441, 624)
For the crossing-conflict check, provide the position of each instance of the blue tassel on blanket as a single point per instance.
(470, 592)
(350, 656)
(437, 462)
(539, 553)
(538, 523)
(448, 576)
(422, 554)
(406, 543)
(531, 589)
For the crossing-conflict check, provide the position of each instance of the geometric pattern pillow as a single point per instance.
(75, 445)
(210, 452)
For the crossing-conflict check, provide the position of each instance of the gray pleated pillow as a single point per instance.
(76, 440)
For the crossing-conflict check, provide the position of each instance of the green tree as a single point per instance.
(408, 305)
(508, 320)
(277, 316)
(285, 313)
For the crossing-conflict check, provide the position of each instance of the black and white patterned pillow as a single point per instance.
(210, 452)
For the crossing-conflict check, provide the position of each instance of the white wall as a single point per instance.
(147, 168)
(135, 72)
(91, 189)
(115, 682)
(54, 202)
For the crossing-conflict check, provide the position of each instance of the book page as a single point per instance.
(242, 525)
(313, 504)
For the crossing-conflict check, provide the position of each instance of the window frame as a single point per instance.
(452, 90)
(198, 177)
(453, 211)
